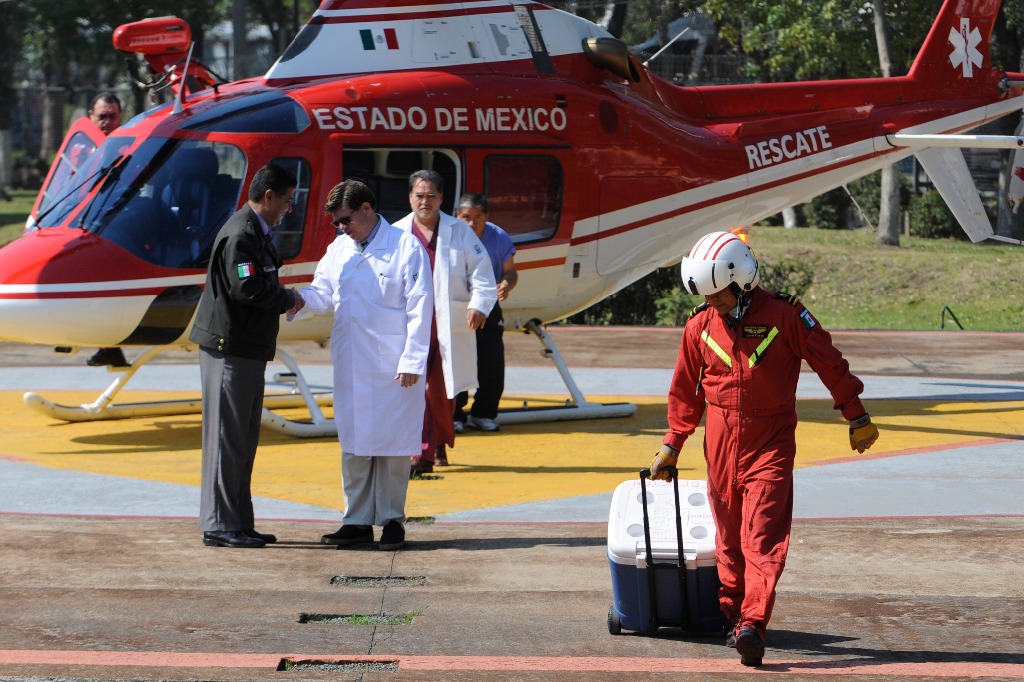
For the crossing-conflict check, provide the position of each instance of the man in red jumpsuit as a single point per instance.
(740, 357)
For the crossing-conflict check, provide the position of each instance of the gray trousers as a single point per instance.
(375, 489)
(232, 406)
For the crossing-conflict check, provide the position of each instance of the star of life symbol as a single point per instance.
(965, 47)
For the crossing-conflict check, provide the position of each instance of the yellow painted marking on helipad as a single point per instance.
(520, 464)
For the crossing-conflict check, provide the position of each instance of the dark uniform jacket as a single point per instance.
(239, 311)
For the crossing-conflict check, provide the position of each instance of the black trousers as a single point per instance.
(233, 390)
(490, 370)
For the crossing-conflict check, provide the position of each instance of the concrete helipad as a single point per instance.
(905, 564)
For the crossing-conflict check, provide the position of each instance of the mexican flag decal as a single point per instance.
(379, 39)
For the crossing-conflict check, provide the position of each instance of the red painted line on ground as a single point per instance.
(13, 458)
(152, 659)
(972, 669)
(910, 451)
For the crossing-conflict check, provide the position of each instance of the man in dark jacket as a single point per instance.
(236, 329)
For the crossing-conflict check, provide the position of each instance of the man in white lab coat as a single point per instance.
(464, 293)
(376, 280)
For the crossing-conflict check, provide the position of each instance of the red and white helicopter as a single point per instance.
(601, 171)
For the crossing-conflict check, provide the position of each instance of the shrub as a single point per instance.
(788, 276)
(674, 307)
(828, 211)
(932, 219)
(634, 305)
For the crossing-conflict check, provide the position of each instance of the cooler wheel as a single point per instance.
(614, 626)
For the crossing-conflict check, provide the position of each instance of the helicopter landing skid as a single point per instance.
(103, 408)
(318, 426)
(575, 407)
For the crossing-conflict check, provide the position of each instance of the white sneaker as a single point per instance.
(482, 423)
(459, 427)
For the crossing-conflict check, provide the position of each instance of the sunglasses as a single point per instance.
(342, 221)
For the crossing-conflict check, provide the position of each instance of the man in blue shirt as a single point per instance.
(490, 346)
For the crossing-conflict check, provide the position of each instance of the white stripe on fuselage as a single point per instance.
(431, 43)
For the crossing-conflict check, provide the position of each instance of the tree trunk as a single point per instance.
(6, 162)
(54, 125)
(882, 39)
(1008, 223)
(889, 208)
(617, 21)
(240, 40)
(889, 203)
(789, 217)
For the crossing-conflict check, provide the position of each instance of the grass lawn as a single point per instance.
(858, 285)
(14, 213)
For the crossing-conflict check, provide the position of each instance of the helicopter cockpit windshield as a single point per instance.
(166, 200)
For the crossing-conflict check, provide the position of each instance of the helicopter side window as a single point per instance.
(268, 111)
(288, 235)
(167, 200)
(71, 160)
(201, 188)
(524, 195)
(386, 172)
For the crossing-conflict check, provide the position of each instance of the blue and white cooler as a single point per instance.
(634, 607)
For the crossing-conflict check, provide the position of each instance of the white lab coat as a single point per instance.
(463, 279)
(382, 302)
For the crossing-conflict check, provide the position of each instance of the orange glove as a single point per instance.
(863, 433)
(667, 456)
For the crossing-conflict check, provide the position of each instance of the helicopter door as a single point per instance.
(82, 140)
(626, 241)
(386, 170)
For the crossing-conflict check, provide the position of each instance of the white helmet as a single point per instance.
(716, 261)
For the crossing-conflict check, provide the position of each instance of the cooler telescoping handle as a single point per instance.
(673, 474)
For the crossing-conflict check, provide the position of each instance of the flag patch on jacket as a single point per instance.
(807, 319)
(378, 39)
(244, 270)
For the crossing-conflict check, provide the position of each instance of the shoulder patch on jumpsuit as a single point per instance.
(696, 309)
(805, 314)
(791, 299)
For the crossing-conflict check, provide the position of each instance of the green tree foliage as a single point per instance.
(637, 304)
(645, 18)
(931, 218)
(284, 18)
(12, 19)
(68, 32)
(1013, 10)
(659, 299)
(819, 39)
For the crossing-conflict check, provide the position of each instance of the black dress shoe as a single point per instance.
(230, 538)
(349, 535)
(266, 537)
(392, 537)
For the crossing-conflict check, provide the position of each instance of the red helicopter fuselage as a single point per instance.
(599, 170)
